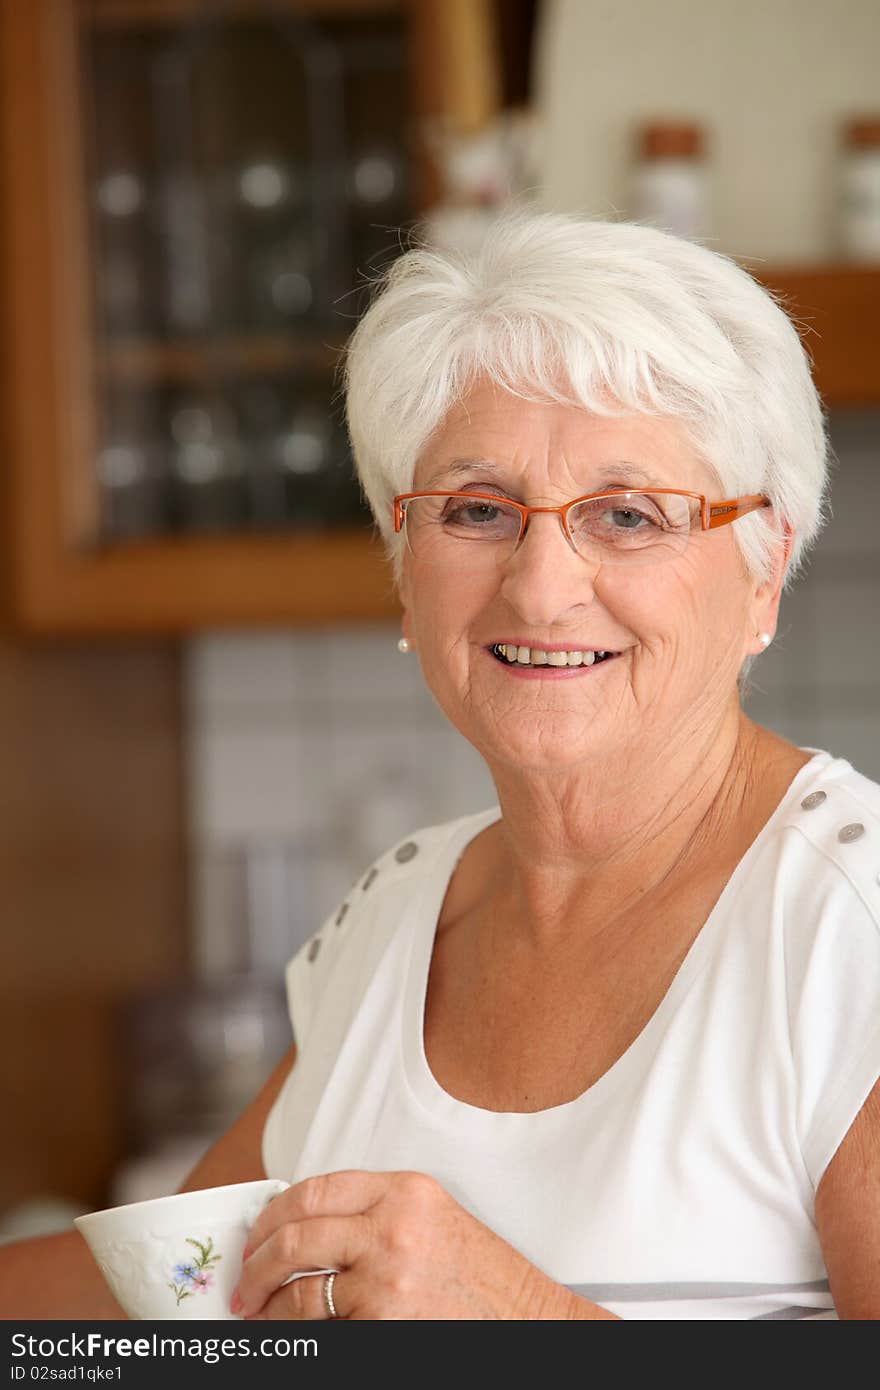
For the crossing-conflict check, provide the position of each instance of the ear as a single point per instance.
(765, 605)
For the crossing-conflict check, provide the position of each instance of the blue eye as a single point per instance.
(467, 514)
(626, 518)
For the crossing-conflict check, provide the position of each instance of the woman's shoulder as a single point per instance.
(423, 854)
(824, 910)
(374, 904)
(826, 771)
(808, 890)
(835, 810)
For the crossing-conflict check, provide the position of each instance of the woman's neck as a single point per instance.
(568, 852)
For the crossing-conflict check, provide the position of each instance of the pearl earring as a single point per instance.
(765, 639)
(403, 645)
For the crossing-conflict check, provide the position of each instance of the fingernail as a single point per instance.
(235, 1303)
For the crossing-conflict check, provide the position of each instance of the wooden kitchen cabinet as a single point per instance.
(836, 308)
(66, 369)
(68, 361)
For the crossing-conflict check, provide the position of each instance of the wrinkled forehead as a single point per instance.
(493, 436)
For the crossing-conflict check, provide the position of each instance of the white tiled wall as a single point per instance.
(771, 85)
(819, 683)
(313, 752)
(324, 747)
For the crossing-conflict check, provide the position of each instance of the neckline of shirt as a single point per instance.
(421, 927)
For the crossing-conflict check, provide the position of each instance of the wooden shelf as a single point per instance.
(143, 13)
(143, 361)
(837, 309)
(179, 585)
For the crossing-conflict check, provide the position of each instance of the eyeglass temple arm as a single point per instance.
(720, 513)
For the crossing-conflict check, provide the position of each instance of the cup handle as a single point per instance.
(300, 1273)
(260, 1203)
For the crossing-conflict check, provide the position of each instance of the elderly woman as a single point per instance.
(609, 1048)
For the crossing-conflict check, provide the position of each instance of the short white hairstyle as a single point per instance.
(611, 316)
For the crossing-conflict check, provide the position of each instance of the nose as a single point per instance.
(546, 511)
(545, 576)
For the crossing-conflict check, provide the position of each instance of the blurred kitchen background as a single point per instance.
(207, 729)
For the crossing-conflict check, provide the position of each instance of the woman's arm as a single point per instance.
(848, 1216)
(53, 1277)
(56, 1276)
(238, 1155)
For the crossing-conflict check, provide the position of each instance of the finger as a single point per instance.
(235, 1301)
(345, 1193)
(304, 1301)
(323, 1242)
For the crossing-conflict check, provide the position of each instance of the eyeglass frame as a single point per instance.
(712, 514)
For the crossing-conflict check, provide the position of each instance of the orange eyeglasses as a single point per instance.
(617, 526)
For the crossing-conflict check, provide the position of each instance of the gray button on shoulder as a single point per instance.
(314, 949)
(406, 852)
(849, 833)
(815, 799)
(369, 878)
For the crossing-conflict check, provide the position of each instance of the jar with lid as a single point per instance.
(859, 201)
(670, 178)
(124, 261)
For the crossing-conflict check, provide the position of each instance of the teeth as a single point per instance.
(527, 656)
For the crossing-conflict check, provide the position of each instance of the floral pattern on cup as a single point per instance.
(194, 1275)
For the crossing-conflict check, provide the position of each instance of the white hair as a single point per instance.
(612, 316)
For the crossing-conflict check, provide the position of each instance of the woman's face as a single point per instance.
(680, 628)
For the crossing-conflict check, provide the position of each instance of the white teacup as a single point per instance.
(180, 1256)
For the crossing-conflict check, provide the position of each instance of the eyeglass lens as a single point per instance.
(629, 528)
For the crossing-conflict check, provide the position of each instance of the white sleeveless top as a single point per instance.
(681, 1184)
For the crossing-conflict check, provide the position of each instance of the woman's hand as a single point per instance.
(404, 1249)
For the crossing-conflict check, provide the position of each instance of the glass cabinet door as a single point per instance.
(246, 171)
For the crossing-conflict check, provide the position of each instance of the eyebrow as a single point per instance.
(621, 470)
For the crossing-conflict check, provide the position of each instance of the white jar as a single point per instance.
(669, 186)
(859, 203)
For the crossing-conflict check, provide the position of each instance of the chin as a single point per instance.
(559, 751)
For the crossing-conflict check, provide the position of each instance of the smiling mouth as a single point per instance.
(511, 655)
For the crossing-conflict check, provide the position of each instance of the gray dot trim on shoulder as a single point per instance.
(340, 915)
(314, 949)
(369, 878)
(850, 833)
(406, 852)
(815, 799)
